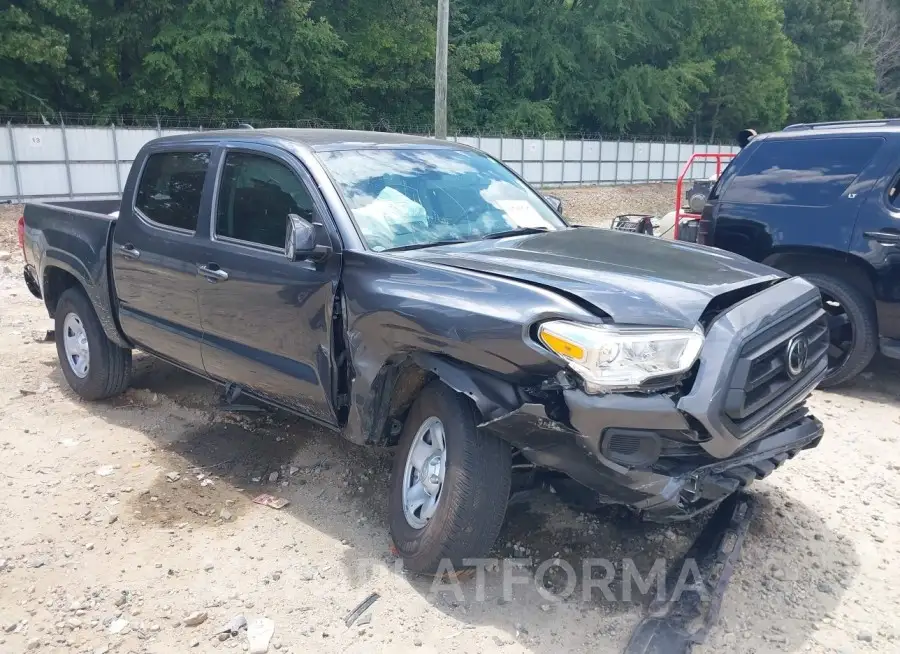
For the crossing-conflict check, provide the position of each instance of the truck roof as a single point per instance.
(317, 139)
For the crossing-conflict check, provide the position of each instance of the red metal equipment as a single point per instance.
(679, 186)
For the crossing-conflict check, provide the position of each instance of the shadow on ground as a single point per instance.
(341, 490)
(879, 383)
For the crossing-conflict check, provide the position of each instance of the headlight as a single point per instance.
(617, 358)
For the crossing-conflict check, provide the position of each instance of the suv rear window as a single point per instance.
(812, 172)
(170, 188)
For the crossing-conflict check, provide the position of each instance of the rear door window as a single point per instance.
(170, 188)
(811, 172)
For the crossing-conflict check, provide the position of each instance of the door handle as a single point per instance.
(885, 238)
(212, 275)
(129, 252)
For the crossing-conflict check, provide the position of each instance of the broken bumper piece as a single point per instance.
(642, 451)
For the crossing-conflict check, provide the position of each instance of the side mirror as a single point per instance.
(555, 203)
(300, 241)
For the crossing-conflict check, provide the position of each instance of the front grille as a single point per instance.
(774, 362)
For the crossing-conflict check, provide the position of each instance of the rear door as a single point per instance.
(792, 191)
(877, 240)
(267, 320)
(155, 247)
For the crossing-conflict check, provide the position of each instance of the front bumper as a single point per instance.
(673, 487)
(672, 456)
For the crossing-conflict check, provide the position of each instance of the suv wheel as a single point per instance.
(852, 325)
(450, 483)
(94, 367)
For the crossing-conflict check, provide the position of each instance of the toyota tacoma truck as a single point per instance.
(417, 294)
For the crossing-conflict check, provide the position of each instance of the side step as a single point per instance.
(682, 622)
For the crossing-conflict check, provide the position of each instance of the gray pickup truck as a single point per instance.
(417, 294)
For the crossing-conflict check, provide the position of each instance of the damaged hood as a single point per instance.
(634, 279)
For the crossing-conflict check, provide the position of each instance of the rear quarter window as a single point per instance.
(894, 193)
(170, 188)
(811, 172)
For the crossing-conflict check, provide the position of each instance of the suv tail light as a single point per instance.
(707, 224)
(20, 228)
(703, 232)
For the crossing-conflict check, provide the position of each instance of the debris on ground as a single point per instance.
(361, 608)
(271, 501)
(259, 634)
(173, 476)
(194, 619)
(117, 626)
(234, 626)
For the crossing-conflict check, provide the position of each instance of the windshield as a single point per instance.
(409, 197)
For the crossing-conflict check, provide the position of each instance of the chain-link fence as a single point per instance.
(162, 121)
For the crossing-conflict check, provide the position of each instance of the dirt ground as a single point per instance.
(598, 205)
(122, 520)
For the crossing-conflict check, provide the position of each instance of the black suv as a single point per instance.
(822, 201)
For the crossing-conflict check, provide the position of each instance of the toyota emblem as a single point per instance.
(797, 355)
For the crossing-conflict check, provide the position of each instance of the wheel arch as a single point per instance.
(400, 381)
(57, 277)
(55, 281)
(798, 261)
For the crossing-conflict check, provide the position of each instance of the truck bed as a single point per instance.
(104, 207)
(68, 242)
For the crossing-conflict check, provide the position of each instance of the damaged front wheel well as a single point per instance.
(399, 383)
(398, 386)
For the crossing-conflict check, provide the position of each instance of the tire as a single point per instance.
(860, 312)
(108, 368)
(471, 502)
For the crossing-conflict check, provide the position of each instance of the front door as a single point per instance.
(877, 240)
(267, 321)
(154, 246)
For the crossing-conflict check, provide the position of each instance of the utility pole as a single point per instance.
(440, 70)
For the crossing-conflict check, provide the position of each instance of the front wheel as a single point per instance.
(94, 367)
(450, 483)
(852, 327)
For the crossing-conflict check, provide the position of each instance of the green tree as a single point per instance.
(36, 72)
(701, 68)
(390, 51)
(235, 58)
(831, 79)
(747, 83)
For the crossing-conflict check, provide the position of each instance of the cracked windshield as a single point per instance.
(405, 198)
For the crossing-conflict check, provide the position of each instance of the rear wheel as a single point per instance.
(852, 325)
(94, 367)
(450, 483)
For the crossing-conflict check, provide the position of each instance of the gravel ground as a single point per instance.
(600, 204)
(128, 526)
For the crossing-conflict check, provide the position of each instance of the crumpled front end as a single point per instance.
(675, 453)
